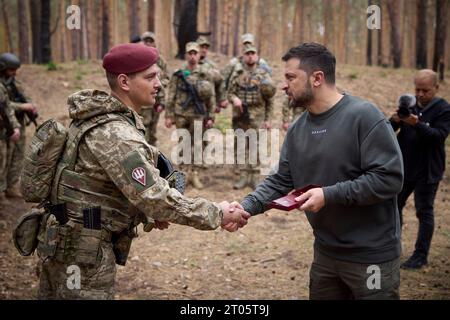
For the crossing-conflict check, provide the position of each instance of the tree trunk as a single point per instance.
(23, 32)
(396, 44)
(151, 15)
(46, 49)
(213, 24)
(327, 18)
(421, 35)
(133, 18)
(343, 37)
(442, 7)
(237, 18)
(246, 8)
(369, 42)
(298, 33)
(7, 29)
(105, 27)
(380, 36)
(84, 31)
(187, 30)
(62, 32)
(35, 9)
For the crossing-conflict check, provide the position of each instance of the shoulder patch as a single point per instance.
(137, 171)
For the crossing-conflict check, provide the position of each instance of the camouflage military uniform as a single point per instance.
(114, 168)
(187, 116)
(246, 85)
(229, 70)
(148, 113)
(290, 112)
(219, 84)
(5, 144)
(17, 150)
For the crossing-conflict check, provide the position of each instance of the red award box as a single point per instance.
(288, 203)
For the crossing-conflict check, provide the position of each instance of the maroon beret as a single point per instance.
(129, 58)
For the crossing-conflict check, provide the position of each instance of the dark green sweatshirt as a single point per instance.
(352, 152)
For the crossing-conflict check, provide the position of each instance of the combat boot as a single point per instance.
(14, 191)
(3, 200)
(242, 183)
(254, 180)
(195, 180)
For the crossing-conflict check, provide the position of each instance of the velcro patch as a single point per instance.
(137, 169)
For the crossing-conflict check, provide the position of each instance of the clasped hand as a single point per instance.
(234, 216)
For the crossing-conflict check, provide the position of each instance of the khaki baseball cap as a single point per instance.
(202, 41)
(248, 37)
(148, 34)
(250, 48)
(192, 46)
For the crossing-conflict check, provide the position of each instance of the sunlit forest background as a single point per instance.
(414, 33)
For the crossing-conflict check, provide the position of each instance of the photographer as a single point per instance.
(424, 124)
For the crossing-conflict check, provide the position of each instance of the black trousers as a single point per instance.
(424, 195)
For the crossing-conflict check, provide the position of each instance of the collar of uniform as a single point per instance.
(137, 120)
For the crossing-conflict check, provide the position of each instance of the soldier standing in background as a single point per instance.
(9, 135)
(25, 112)
(219, 84)
(251, 92)
(151, 114)
(191, 98)
(247, 40)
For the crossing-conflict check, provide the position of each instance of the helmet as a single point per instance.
(267, 89)
(9, 61)
(204, 89)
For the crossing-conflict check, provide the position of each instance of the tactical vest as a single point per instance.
(205, 89)
(249, 91)
(79, 191)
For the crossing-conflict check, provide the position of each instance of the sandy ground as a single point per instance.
(269, 258)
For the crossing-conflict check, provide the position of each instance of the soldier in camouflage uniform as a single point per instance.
(112, 166)
(20, 104)
(219, 83)
(181, 110)
(252, 94)
(150, 114)
(290, 113)
(7, 139)
(247, 40)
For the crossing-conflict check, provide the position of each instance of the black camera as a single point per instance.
(406, 105)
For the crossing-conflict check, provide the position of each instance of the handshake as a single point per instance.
(234, 216)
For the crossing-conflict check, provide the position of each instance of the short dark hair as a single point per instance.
(112, 79)
(314, 57)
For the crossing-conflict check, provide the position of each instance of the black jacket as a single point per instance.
(423, 145)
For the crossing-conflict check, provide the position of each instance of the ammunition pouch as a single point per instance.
(25, 232)
(70, 243)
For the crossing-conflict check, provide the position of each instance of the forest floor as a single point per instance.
(269, 258)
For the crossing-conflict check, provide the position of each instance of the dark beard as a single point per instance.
(305, 99)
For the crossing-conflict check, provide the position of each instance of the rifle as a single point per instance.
(192, 97)
(245, 115)
(5, 120)
(19, 97)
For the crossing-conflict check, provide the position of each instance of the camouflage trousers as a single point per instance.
(57, 279)
(187, 122)
(16, 153)
(150, 120)
(3, 164)
(254, 122)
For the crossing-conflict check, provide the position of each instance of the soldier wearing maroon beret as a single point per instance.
(109, 181)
